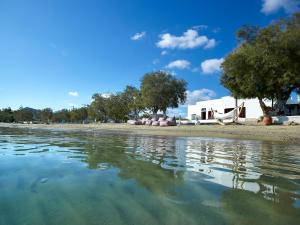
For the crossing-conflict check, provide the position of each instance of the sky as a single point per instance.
(58, 53)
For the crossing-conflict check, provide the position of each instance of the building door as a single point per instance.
(203, 113)
(194, 116)
(243, 113)
(209, 115)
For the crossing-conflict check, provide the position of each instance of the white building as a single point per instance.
(252, 111)
(203, 110)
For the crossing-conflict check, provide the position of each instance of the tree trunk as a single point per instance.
(263, 107)
(165, 112)
(155, 111)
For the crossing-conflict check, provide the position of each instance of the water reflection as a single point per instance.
(211, 181)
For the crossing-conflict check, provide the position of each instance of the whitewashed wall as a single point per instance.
(253, 110)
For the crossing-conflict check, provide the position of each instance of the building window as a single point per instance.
(226, 110)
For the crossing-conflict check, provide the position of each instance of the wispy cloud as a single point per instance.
(199, 95)
(200, 27)
(211, 66)
(155, 61)
(164, 52)
(210, 44)
(216, 30)
(272, 6)
(178, 64)
(73, 93)
(189, 40)
(138, 36)
(192, 97)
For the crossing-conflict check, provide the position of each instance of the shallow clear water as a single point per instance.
(86, 178)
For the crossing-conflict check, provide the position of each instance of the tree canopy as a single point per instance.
(160, 90)
(266, 65)
(133, 97)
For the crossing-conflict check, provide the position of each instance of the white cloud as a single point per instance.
(189, 40)
(164, 52)
(272, 6)
(180, 111)
(210, 66)
(73, 93)
(178, 64)
(106, 95)
(138, 36)
(199, 95)
(210, 44)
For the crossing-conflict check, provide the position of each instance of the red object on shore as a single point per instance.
(267, 120)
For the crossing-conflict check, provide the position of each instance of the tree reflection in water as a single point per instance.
(213, 181)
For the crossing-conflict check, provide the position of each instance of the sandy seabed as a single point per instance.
(274, 133)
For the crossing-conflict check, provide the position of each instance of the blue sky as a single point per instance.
(57, 53)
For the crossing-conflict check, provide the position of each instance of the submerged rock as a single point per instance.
(34, 185)
(44, 180)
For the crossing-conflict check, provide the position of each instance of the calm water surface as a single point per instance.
(85, 178)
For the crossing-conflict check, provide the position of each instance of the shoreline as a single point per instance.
(274, 133)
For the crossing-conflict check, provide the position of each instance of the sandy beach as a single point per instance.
(283, 134)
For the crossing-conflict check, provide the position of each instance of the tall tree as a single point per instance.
(160, 90)
(132, 97)
(266, 65)
(117, 108)
(98, 108)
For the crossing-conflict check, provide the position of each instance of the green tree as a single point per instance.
(45, 115)
(61, 116)
(117, 108)
(160, 90)
(98, 109)
(78, 115)
(132, 98)
(24, 114)
(6, 115)
(266, 65)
